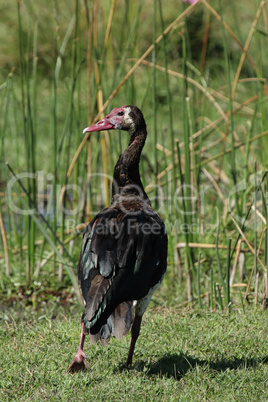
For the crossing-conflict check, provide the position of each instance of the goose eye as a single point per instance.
(120, 113)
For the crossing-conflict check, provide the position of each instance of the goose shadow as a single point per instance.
(177, 365)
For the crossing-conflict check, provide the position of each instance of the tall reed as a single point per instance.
(29, 134)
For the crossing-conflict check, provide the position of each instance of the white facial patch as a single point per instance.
(128, 120)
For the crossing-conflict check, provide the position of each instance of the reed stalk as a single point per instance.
(227, 276)
(154, 93)
(4, 237)
(219, 296)
(266, 232)
(187, 253)
(29, 136)
(218, 259)
(255, 220)
(198, 277)
(242, 301)
(169, 100)
(211, 291)
(187, 183)
(89, 118)
(230, 116)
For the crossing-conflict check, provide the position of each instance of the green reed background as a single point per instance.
(198, 73)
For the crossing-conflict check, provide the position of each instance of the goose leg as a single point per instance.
(135, 331)
(79, 362)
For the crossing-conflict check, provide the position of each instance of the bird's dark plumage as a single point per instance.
(124, 250)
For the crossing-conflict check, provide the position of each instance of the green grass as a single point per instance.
(182, 354)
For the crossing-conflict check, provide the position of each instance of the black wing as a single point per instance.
(123, 256)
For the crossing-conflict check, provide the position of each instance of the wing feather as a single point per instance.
(98, 288)
(120, 260)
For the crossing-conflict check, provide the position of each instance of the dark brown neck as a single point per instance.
(126, 180)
